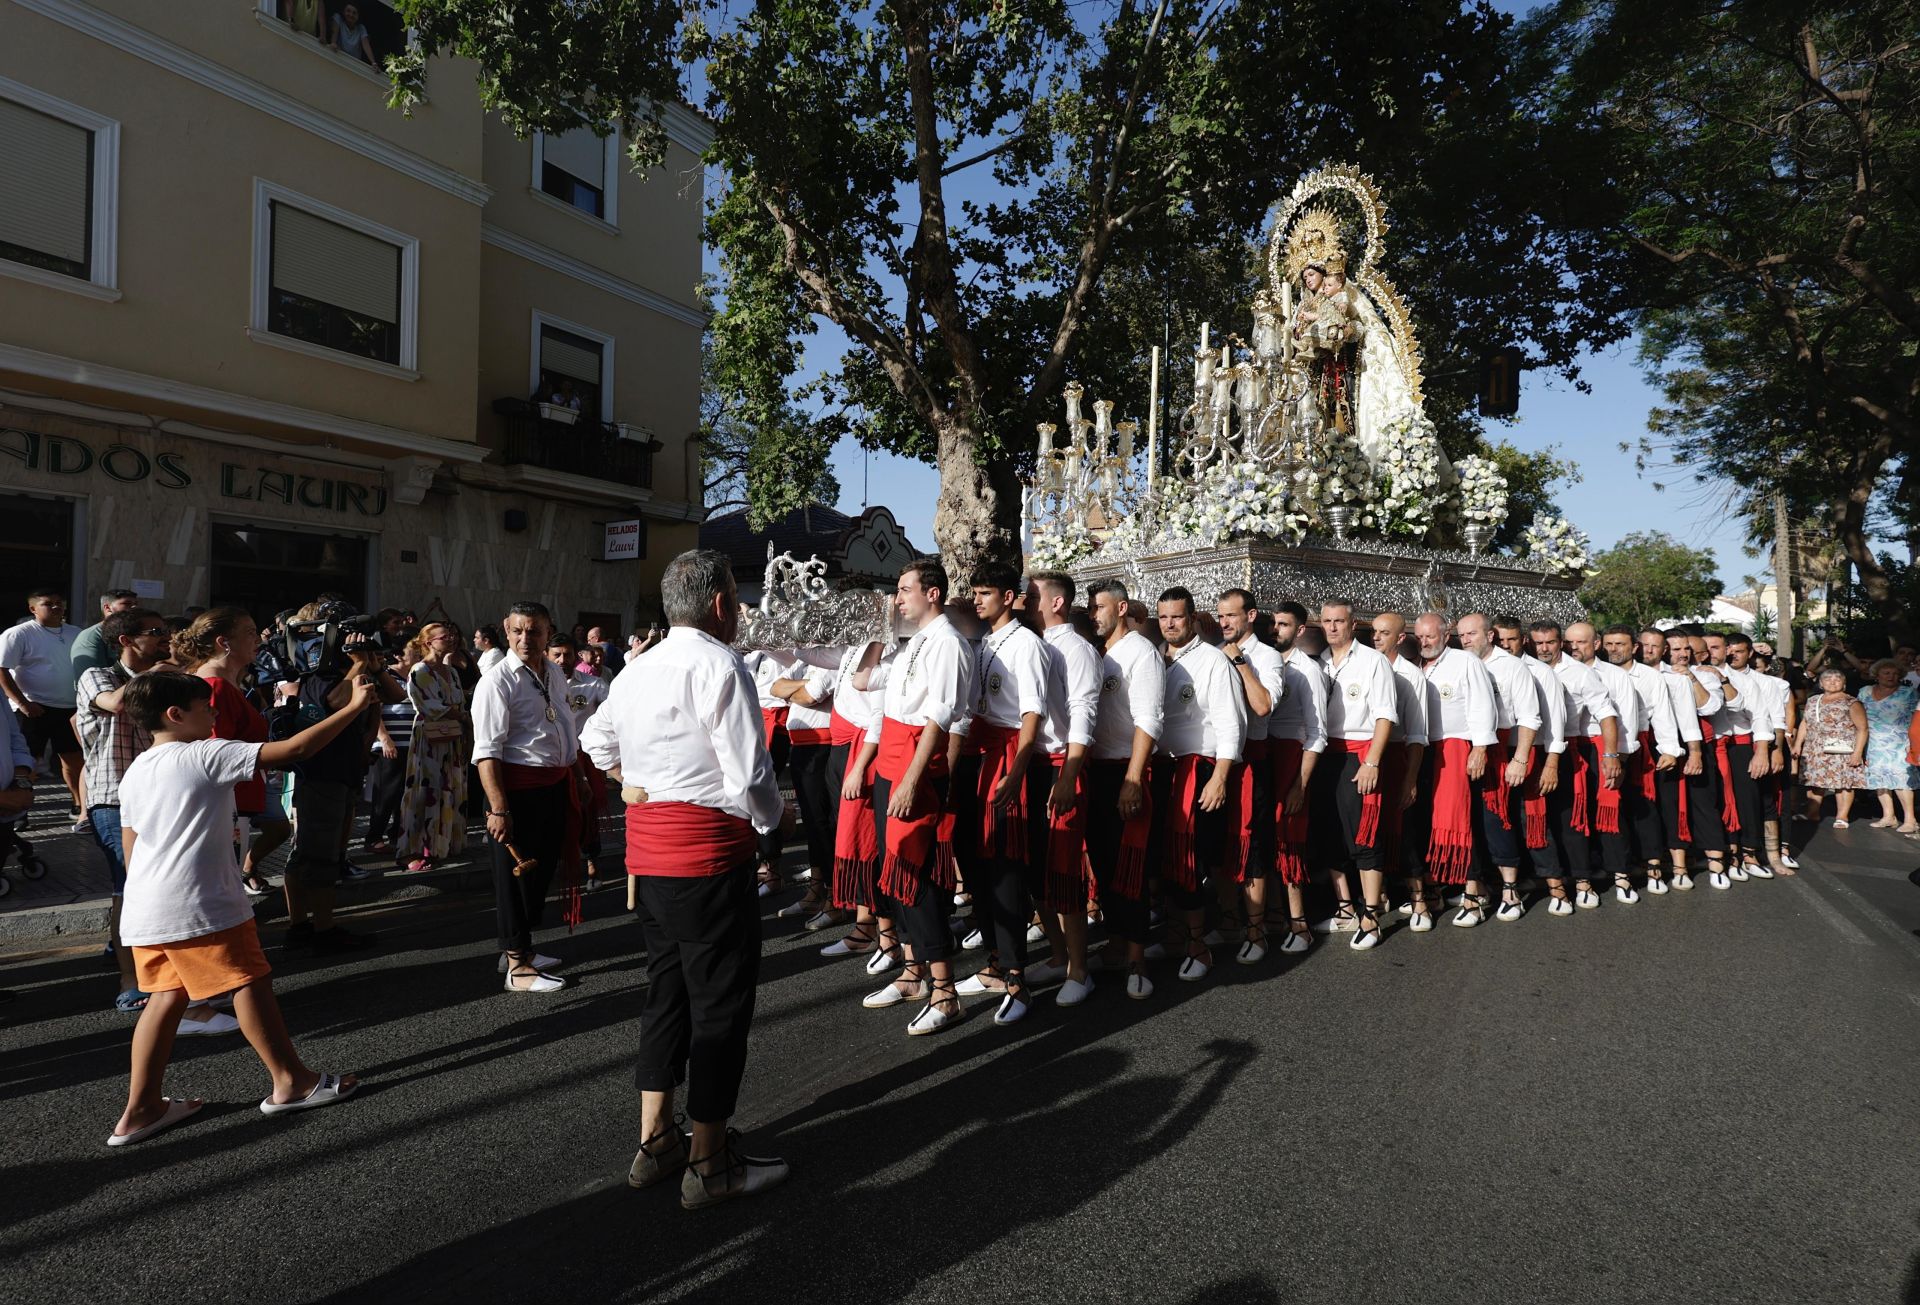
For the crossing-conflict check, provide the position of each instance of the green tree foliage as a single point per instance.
(1764, 155)
(1647, 577)
(1109, 150)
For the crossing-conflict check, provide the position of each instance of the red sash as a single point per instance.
(856, 846)
(1494, 792)
(771, 720)
(683, 841)
(910, 838)
(1003, 830)
(1607, 820)
(1130, 874)
(1729, 807)
(1368, 834)
(1532, 801)
(1289, 831)
(809, 738)
(1579, 779)
(517, 778)
(1246, 818)
(1179, 854)
(843, 732)
(1450, 847)
(1065, 886)
(1645, 761)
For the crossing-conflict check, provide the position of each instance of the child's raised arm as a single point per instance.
(278, 756)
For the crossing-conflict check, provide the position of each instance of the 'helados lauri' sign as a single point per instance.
(64, 455)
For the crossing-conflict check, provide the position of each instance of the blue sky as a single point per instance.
(1610, 500)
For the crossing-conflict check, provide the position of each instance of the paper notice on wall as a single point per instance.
(150, 588)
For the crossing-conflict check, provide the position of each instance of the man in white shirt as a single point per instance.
(1009, 700)
(805, 684)
(1679, 688)
(856, 853)
(1505, 786)
(1611, 803)
(1351, 808)
(926, 686)
(1262, 674)
(1296, 736)
(486, 648)
(1749, 751)
(688, 734)
(37, 675)
(1133, 687)
(1407, 850)
(766, 667)
(585, 693)
(1205, 729)
(1058, 874)
(1462, 725)
(1660, 748)
(1550, 761)
(1696, 819)
(1589, 711)
(527, 750)
(1783, 715)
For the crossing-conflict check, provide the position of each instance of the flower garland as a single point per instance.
(1563, 547)
(1483, 491)
(1066, 543)
(1229, 499)
(1409, 491)
(1342, 477)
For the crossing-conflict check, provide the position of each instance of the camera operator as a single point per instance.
(329, 781)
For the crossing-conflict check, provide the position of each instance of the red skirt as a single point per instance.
(908, 855)
(1064, 889)
(856, 846)
(1003, 830)
(1450, 845)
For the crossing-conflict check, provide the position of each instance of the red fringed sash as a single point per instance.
(1179, 854)
(1289, 831)
(1607, 819)
(1645, 761)
(684, 841)
(1130, 875)
(1580, 779)
(910, 838)
(1532, 801)
(1065, 886)
(1450, 847)
(1493, 780)
(1729, 807)
(771, 719)
(1368, 834)
(516, 778)
(1246, 817)
(856, 845)
(1003, 830)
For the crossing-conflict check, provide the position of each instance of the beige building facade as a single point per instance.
(262, 336)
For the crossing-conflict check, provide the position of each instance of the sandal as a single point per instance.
(1366, 933)
(331, 1088)
(1299, 935)
(256, 885)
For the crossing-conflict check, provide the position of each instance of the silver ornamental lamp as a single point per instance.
(1476, 535)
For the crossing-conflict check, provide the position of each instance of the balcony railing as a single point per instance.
(582, 448)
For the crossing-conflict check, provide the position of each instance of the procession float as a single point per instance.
(1303, 464)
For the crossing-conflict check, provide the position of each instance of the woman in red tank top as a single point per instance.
(220, 647)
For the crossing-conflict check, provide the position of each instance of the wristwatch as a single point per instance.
(1237, 660)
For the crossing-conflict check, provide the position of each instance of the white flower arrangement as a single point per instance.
(1066, 543)
(1483, 491)
(1561, 545)
(1231, 498)
(1342, 476)
(1409, 492)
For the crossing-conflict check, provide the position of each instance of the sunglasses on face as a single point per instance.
(158, 630)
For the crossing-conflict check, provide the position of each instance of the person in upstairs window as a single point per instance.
(350, 36)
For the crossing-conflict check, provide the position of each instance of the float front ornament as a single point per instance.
(798, 609)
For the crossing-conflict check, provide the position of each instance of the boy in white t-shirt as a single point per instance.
(185, 914)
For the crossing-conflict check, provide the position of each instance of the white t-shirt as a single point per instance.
(41, 662)
(183, 882)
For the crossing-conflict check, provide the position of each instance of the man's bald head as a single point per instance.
(1475, 634)
(1583, 641)
(1388, 629)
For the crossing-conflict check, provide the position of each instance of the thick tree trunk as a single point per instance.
(1874, 580)
(977, 517)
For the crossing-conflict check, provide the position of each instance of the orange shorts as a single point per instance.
(205, 966)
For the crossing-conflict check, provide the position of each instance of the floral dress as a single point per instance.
(1887, 722)
(1828, 722)
(433, 822)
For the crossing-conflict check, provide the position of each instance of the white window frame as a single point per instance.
(601, 338)
(265, 194)
(103, 242)
(609, 181)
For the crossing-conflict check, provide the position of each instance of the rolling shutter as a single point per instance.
(44, 166)
(335, 265)
(579, 153)
(565, 354)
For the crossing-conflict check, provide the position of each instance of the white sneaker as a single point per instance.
(1469, 916)
(215, 1024)
(1193, 969)
(1045, 972)
(1139, 987)
(1559, 906)
(1656, 887)
(1295, 943)
(974, 986)
(1012, 1010)
(1587, 900)
(1251, 953)
(931, 1019)
(1786, 859)
(882, 961)
(1736, 872)
(1624, 894)
(1719, 879)
(1759, 871)
(539, 963)
(1074, 991)
(973, 942)
(1683, 882)
(1035, 934)
(1420, 921)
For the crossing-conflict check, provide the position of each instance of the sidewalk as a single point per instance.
(73, 897)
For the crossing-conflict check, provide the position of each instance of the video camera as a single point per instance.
(317, 646)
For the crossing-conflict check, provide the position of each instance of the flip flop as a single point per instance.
(325, 1093)
(176, 1111)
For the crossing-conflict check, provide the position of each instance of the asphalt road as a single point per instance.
(1705, 1097)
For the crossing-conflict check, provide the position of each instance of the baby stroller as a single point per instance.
(17, 849)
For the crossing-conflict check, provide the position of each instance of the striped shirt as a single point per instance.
(110, 740)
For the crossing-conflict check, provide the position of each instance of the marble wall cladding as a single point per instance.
(1376, 576)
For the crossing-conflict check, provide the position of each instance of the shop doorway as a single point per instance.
(36, 552)
(269, 571)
